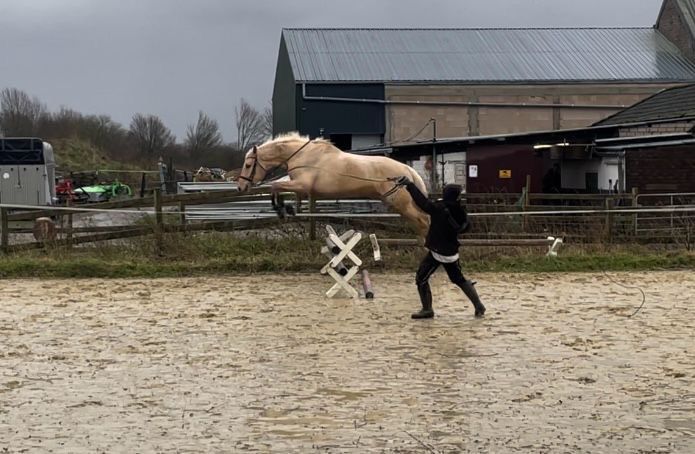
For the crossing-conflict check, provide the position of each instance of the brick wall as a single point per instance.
(658, 129)
(661, 170)
(495, 120)
(404, 120)
(672, 25)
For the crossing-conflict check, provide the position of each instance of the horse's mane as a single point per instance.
(291, 137)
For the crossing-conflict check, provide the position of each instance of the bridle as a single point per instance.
(257, 163)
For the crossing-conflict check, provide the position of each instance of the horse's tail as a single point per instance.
(417, 179)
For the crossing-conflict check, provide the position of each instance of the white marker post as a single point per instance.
(344, 245)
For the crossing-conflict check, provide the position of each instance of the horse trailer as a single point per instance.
(27, 172)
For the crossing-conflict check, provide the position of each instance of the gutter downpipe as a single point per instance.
(434, 154)
(459, 103)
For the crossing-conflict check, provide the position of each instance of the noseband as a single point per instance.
(256, 162)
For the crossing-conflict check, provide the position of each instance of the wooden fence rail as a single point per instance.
(471, 242)
(610, 226)
(166, 200)
(143, 231)
(201, 198)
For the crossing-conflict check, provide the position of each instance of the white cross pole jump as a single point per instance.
(343, 244)
(553, 246)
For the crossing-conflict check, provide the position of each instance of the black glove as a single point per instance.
(402, 181)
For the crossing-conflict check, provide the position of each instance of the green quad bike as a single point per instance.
(105, 192)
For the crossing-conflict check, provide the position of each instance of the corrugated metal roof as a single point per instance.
(672, 103)
(653, 144)
(485, 55)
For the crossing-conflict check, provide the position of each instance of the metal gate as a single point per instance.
(665, 223)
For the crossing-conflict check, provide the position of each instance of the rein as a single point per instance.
(355, 177)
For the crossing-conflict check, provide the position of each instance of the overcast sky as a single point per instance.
(175, 57)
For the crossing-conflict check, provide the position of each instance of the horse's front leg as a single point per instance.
(276, 199)
(277, 203)
(299, 201)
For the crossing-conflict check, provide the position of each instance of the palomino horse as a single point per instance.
(317, 168)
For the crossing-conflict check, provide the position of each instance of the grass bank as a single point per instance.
(220, 253)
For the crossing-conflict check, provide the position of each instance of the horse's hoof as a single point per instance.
(280, 211)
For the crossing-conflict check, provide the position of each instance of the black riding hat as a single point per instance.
(451, 192)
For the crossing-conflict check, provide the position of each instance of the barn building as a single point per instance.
(649, 146)
(378, 89)
(361, 87)
(655, 146)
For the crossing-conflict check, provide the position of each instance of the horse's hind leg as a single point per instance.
(418, 219)
(404, 204)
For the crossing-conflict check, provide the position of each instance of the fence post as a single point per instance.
(162, 173)
(170, 185)
(68, 234)
(143, 184)
(312, 220)
(158, 219)
(635, 193)
(182, 216)
(4, 225)
(609, 219)
(527, 201)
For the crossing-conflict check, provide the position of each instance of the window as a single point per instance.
(591, 181)
(342, 141)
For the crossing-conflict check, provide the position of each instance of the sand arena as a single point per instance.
(267, 364)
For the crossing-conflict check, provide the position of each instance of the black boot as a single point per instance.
(472, 295)
(423, 313)
(426, 300)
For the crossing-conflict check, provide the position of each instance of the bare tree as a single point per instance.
(104, 130)
(268, 122)
(61, 124)
(20, 114)
(99, 130)
(249, 126)
(149, 134)
(204, 136)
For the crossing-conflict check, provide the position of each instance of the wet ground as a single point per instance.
(268, 364)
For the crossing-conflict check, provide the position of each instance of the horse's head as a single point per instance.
(253, 171)
(265, 158)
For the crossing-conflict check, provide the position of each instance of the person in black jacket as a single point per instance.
(447, 220)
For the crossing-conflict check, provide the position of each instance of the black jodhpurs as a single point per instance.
(427, 267)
